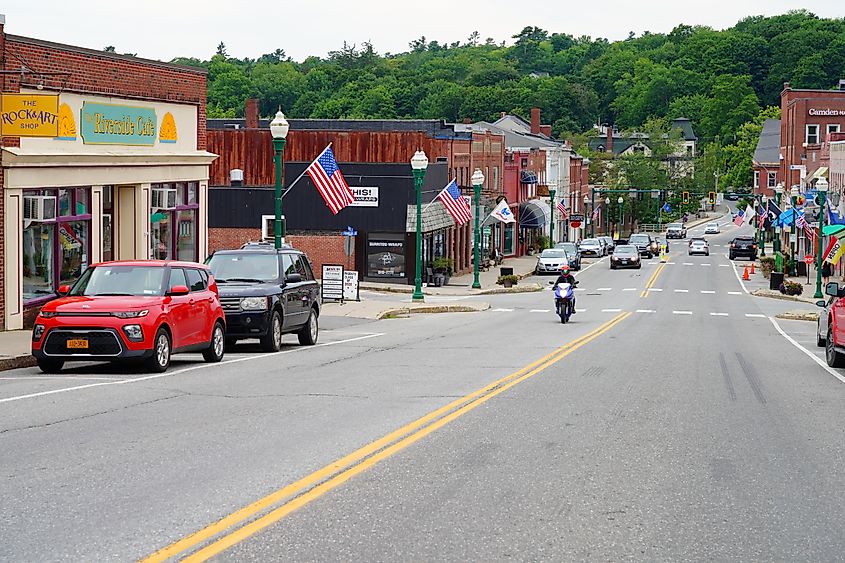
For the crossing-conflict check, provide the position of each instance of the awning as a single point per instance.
(534, 214)
(528, 177)
(821, 172)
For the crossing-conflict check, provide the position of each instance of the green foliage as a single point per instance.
(509, 279)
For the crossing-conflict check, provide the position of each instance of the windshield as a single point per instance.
(621, 250)
(568, 246)
(590, 242)
(674, 226)
(121, 280)
(246, 266)
(553, 253)
(638, 238)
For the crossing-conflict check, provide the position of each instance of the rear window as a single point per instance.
(638, 238)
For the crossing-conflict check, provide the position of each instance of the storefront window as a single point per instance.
(73, 250)
(186, 241)
(386, 256)
(173, 232)
(108, 225)
(65, 202)
(510, 235)
(192, 193)
(38, 271)
(82, 204)
(160, 235)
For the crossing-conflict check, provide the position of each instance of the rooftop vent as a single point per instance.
(236, 177)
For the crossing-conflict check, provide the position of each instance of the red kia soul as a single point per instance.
(132, 310)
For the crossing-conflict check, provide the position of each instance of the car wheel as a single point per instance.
(272, 341)
(820, 340)
(50, 366)
(730, 256)
(309, 332)
(612, 267)
(639, 266)
(834, 358)
(707, 253)
(160, 360)
(217, 347)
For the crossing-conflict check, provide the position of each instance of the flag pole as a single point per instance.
(435, 199)
(304, 172)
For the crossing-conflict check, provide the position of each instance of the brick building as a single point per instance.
(111, 165)
(379, 151)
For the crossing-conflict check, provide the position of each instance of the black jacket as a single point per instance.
(570, 279)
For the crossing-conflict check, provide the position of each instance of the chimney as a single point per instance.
(546, 130)
(251, 113)
(467, 121)
(502, 114)
(787, 86)
(535, 121)
(609, 146)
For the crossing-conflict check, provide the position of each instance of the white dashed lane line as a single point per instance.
(682, 312)
(719, 314)
(630, 289)
(734, 293)
(681, 291)
(688, 264)
(654, 289)
(501, 310)
(611, 310)
(645, 310)
(605, 289)
(707, 291)
(755, 316)
(540, 311)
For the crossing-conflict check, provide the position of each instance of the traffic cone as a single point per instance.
(745, 274)
(752, 267)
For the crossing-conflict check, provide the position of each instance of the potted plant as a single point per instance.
(791, 288)
(508, 280)
(442, 268)
(767, 264)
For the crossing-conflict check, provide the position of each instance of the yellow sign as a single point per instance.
(167, 132)
(29, 115)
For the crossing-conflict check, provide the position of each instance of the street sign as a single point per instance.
(350, 285)
(576, 217)
(808, 259)
(332, 282)
(349, 232)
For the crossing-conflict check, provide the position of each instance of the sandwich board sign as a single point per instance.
(332, 282)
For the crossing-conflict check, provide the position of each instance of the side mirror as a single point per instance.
(293, 278)
(820, 303)
(832, 289)
(64, 289)
(178, 290)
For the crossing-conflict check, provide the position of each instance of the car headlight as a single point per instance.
(133, 332)
(131, 314)
(37, 332)
(614, 258)
(47, 314)
(254, 303)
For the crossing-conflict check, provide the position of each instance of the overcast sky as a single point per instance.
(164, 29)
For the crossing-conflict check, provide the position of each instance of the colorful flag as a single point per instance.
(455, 203)
(834, 217)
(739, 220)
(832, 248)
(326, 175)
(837, 255)
(596, 212)
(503, 213)
(773, 213)
(749, 214)
(562, 208)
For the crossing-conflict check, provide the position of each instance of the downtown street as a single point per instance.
(674, 418)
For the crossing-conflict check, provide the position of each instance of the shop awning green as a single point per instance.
(833, 229)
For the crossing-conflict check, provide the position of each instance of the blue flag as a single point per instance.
(666, 207)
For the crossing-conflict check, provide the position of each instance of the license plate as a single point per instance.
(77, 344)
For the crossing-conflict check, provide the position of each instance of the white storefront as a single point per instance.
(122, 180)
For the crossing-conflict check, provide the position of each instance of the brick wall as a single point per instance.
(320, 248)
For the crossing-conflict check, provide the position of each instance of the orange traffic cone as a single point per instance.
(752, 267)
(745, 274)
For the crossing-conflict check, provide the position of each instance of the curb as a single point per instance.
(16, 362)
(408, 311)
(772, 294)
(532, 288)
(811, 316)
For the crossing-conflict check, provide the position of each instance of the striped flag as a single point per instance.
(596, 212)
(455, 203)
(326, 175)
(739, 220)
(562, 208)
(802, 223)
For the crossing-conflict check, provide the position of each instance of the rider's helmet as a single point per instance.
(564, 270)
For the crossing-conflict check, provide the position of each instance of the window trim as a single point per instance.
(807, 133)
(772, 179)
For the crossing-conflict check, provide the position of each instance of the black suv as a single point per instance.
(743, 246)
(646, 245)
(265, 293)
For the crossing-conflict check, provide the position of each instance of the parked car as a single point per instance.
(625, 256)
(830, 328)
(698, 245)
(645, 244)
(676, 230)
(550, 260)
(743, 246)
(132, 310)
(609, 244)
(591, 247)
(266, 293)
(572, 253)
(711, 229)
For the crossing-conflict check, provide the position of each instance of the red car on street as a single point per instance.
(132, 310)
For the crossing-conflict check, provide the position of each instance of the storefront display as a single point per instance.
(385, 256)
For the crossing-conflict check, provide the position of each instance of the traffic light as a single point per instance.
(685, 198)
(711, 198)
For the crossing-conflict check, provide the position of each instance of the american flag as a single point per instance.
(596, 212)
(455, 203)
(801, 223)
(562, 208)
(739, 220)
(329, 181)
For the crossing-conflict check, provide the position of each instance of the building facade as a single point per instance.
(103, 157)
(766, 159)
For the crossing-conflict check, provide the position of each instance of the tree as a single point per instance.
(221, 49)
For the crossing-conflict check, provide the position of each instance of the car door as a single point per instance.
(303, 296)
(290, 294)
(201, 300)
(180, 310)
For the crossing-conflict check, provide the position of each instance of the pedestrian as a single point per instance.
(826, 271)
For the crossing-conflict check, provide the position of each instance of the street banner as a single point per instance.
(503, 213)
(838, 254)
(749, 214)
(832, 247)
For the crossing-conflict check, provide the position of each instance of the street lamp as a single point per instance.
(279, 130)
(620, 201)
(607, 216)
(477, 181)
(587, 217)
(793, 232)
(778, 257)
(821, 188)
(419, 163)
(552, 222)
(765, 201)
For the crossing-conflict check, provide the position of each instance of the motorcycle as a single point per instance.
(564, 301)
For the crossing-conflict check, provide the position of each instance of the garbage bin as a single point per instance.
(801, 268)
(775, 279)
(505, 271)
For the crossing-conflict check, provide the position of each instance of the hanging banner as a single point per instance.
(29, 115)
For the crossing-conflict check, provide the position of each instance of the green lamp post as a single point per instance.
(587, 218)
(279, 130)
(419, 163)
(552, 220)
(764, 201)
(778, 257)
(607, 216)
(477, 182)
(620, 201)
(821, 188)
(793, 232)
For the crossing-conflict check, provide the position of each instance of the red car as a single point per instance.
(132, 310)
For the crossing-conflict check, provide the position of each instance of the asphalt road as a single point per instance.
(670, 420)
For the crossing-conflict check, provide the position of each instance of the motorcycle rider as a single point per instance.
(566, 277)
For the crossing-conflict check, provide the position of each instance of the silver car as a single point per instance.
(550, 261)
(699, 246)
(711, 229)
(591, 247)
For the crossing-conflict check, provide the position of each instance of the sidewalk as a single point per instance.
(15, 349)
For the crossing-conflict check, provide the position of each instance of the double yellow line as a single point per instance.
(261, 514)
(652, 279)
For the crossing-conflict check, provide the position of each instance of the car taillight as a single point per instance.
(754, 246)
(733, 245)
